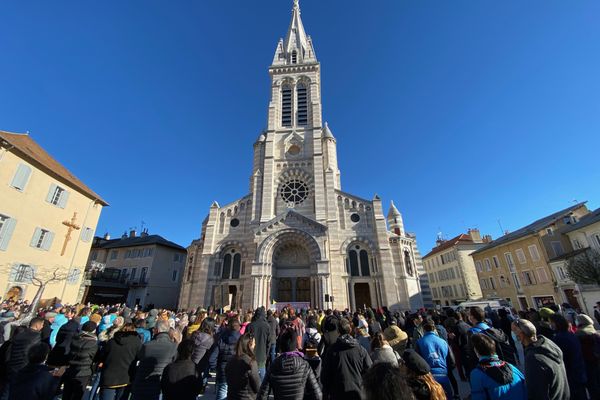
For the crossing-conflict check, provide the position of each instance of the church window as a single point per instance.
(226, 266)
(364, 263)
(237, 262)
(302, 105)
(286, 106)
(294, 57)
(353, 263)
(234, 222)
(359, 262)
(355, 217)
(294, 191)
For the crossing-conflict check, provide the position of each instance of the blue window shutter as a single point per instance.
(13, 272)
(36, 237)
(21, 177)
(51, 192)
(48, 238)
(62, 202)
(6, 233)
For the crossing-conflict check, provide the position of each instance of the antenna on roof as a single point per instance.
(502, 231)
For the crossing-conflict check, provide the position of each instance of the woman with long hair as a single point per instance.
(203, 341)
(241, 371)
(419, 378)
(381, 351)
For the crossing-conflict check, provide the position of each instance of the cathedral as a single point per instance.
(297, 237)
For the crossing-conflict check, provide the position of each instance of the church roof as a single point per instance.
(23, 145)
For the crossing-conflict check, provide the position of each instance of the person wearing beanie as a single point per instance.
(590, 343)
(419, 378)
(81, 357)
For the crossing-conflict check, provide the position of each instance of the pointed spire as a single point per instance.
(393, 212)
(297, 46)
(327, 132)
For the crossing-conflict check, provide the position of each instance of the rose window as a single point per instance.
(294, 191)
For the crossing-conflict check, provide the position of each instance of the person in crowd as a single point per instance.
(439, 328)
(362, 337)
(589, 339)
(117, 360)
(36, 381)
(243, 381)
(47, 328)
(274, 326)
(247, 321)
(395, 337)
(418, 332)
(572, 356)
(175, 335)
(505, 322)
(503, 348)
(545, 374)
(384, 381)
(262, 336)
(330, 329)
(312, 333)
(203, 342)
(153, 357)
(201, 314)
(311, 355)
(344, 363)
(418, 377)
(374, 325)
(180, 379)
(290, 376)
(597, 312)
(225, 351)
(436, 352)
(109, 332)
(152, 319)
(494, 379)
(543, 326)
(140, 328)
(382, 352)
(81, 358)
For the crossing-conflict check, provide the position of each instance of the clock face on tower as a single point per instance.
(294, 192)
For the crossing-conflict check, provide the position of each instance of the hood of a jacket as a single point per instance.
(499, 371)
(544, 347)
(346, 342)
(124, 337)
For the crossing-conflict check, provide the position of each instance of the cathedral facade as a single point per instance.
(297, 236)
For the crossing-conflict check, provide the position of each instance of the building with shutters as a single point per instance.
(516, 266)
(451, 271)
(47, 221)
(143, 270)
(297, 236)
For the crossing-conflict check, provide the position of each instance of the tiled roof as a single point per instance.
(462, 238)
(532, 228)
(586, 220)
(23, 145)
(135, 241)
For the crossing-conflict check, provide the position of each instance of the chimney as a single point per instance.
(475, 235)
(124, 236)
(144, 233)
(487, 239)
(132, 233)
(106, 236)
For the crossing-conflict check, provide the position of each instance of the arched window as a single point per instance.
(286, 106)
(237, 262)
(294, 57)
(358, 258)
(408, 263)
(226, 266)
(302, 104)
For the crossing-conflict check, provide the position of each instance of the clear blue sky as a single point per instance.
(463, 112)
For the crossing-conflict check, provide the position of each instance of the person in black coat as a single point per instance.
(275, 330)
(241, 371)
(343, 366)
(36, 381)
(20, 345)
(180, 379)
(290, 376)
(81, 357)
(59, 355)
(117, 359)
(154, 357)
(224, 351)
(262, 336)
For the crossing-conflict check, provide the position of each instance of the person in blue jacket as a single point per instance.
(493, 378)
(436, 352)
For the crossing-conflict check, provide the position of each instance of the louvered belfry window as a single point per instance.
(286, 106)
(302, 105)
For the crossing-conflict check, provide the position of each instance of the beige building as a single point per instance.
(142, 270)
(451, 271)
(47, 222)
(516, 266)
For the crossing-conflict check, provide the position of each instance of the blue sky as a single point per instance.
(462, 112)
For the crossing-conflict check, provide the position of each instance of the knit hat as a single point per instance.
(89, 327)
(545, 312)
(415, 362)
(584, 320)
(96, 318)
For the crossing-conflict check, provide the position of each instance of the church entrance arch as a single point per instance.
(362, 295)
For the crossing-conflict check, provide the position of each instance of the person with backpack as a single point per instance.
(494, 379)
(312, 335)
(436, 352)
(503, 348)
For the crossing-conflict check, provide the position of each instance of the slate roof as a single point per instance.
(586, 220)
(24, 146)
(532, 228)
(135, 241)
(462, 238)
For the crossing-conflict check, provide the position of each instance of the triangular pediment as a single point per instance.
(291, 219)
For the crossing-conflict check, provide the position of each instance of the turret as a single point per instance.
(394, 220)
(330, 148)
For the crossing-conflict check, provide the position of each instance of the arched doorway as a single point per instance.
(14, 293)
(362, 295)
(291, 272)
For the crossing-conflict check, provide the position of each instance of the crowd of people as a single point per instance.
(117, 353)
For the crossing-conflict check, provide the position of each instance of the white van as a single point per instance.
(493, 304)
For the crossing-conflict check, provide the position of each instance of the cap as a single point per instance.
(415, 362)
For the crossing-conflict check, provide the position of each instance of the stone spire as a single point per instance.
(297, 46)
(394, 219)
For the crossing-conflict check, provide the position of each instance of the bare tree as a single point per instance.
(584, 268)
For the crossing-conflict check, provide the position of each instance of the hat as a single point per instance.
(49, 315)
(545, 312)
(584, 320)
(96, 318)
(415, 362)
(89, 327)
(202, 310)
(395, 335)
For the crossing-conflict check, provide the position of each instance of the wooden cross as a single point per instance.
(72, 226)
